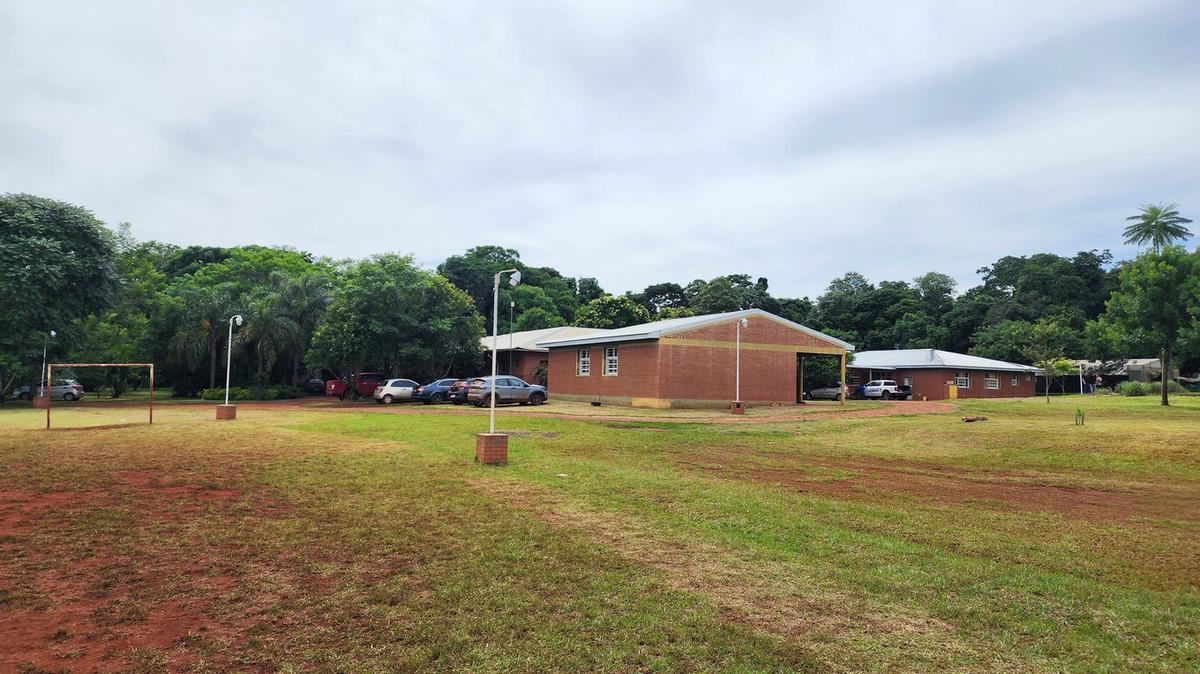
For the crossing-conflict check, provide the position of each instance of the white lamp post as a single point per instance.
(512, 281)
(45, 347)
(228, 411)
(511, 305)
(738, 360)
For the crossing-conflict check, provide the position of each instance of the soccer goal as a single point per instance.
(50, 381)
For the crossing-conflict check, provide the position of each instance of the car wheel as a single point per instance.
(536, 398)
(68, 397)
(437, 399)
(838, 397)
(388, 399)
(886, 395)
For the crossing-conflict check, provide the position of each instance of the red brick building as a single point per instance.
(687, 362)
(937, 375)
(518, 354)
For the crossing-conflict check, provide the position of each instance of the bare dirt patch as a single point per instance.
(877, 481)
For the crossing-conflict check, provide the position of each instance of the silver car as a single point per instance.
(508, 390)
(831, 392)
(65, 389)
(395, 389)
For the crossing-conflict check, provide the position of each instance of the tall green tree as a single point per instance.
(387, 313)
(269, 332)
(1157, 301)
(57, 266)
(203, 315)
(1159, 225)
(611, 311)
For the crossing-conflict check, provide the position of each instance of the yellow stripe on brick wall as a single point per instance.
(751, 346)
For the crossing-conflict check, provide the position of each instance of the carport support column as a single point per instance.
(845, 386)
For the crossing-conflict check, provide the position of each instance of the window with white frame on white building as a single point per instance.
(585, 362)
(962, 379)
(610, 361)
(991, 380)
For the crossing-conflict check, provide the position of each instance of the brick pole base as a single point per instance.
(41, 402)
(737, 407)
(226, 412)
(491, 448)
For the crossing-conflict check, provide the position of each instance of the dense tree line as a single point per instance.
(112, 298)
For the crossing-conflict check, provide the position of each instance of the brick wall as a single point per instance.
(524, 364)
(931, 383)
(704, 373)
(760, 331)
(637, 371)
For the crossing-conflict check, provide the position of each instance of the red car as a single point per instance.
(364, 385)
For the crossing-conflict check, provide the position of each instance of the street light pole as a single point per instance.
(229, 352)
(45, 347)
(738, 361)
(513, 281)
(511, 304)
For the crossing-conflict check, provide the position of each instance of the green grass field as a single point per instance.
(330, 539)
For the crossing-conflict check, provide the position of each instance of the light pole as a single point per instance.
(229, 352)
(511, 304)
(45, 347)
(737, 377)
(512, 281)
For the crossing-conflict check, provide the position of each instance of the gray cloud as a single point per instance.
(630, 141)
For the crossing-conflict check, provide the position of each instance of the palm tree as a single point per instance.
(1157, 224)
(205, 313)
(302, 299)
(270, 332)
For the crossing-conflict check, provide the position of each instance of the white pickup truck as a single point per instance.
(886, 389)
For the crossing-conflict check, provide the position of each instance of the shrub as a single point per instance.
(1151, 388)
(236, 393)
(1131, 388)
(282, 392)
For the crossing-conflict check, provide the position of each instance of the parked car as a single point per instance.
(364, 384)
(833, 391)
(508, 390)
(66, 389)
(313, 386)
(886, 389)
(393, 390)
(459, 390)
(435, 392)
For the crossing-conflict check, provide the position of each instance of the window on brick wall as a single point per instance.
(962, 379)
(907, 381)
(1028, 377)
(853, 377)
(991, 380)
(610, 361)
(1016, 381)
(585, 363)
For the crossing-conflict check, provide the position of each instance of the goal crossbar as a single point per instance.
(50, 382)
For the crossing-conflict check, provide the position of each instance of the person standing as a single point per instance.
(1099, 383)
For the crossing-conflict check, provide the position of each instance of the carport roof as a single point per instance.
(657, 329)
(910, 359)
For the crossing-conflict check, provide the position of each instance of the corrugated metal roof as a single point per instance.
(526, 340)
(656, 329)
(898, 359)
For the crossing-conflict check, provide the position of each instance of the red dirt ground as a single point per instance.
(877, 480)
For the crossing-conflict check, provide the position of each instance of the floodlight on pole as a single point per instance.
(737, 381)
(229, 352)
(45, 347)
(513, 280)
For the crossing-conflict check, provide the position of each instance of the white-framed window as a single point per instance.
(991, 380)
(906, 381)
(962, 379)
(1028, 376)
(584, 362)
(610, 361)
(1016, 381)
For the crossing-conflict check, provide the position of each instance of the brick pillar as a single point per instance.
(737, 407)
(41, 402)
(491, 448)
(226, 412)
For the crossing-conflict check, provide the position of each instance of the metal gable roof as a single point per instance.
(656, 329)
(526, 340)
(897, 359)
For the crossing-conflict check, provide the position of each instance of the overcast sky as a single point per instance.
(631, 141)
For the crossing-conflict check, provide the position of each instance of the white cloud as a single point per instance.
(631, 141)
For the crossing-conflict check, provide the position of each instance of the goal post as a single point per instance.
(50, 382)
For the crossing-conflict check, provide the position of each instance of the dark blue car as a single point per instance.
(434, 393)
